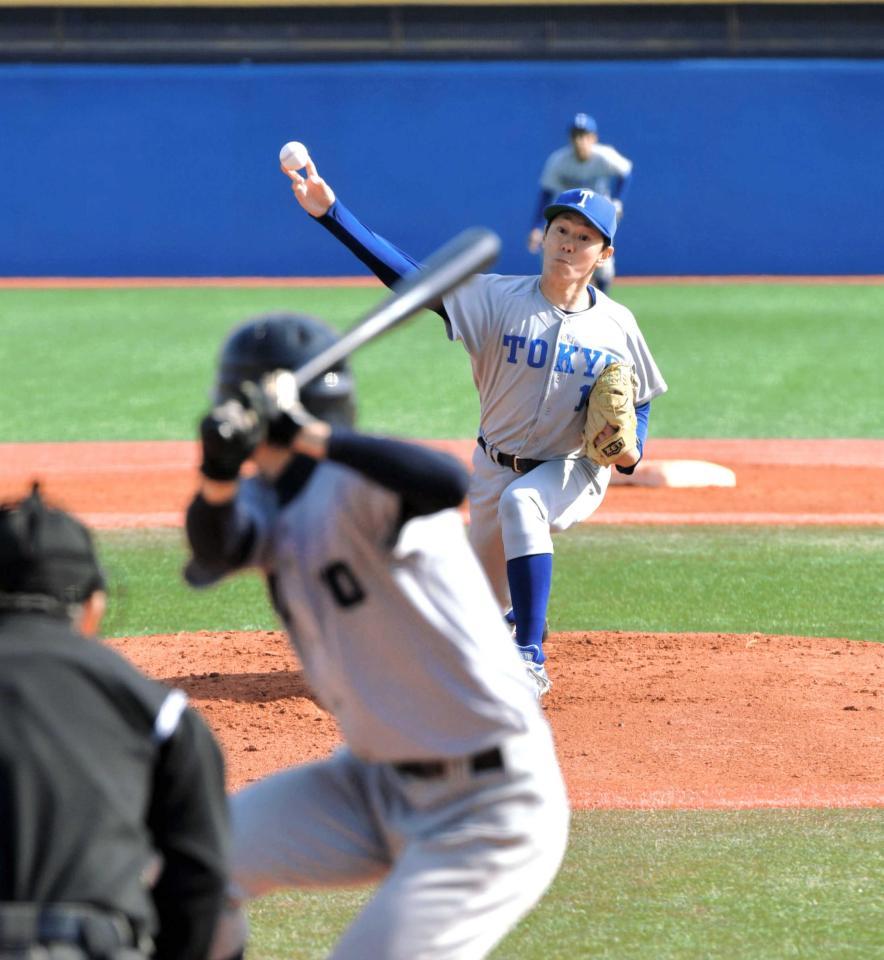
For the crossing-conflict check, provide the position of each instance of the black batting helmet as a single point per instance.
(286, 341)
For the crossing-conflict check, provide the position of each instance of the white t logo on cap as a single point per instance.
(584, 196)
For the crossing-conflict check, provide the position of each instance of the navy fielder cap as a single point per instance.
(592, 206)
(584, 123)
(47, 557)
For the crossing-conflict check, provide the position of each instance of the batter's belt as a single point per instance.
(88, 931)
(516, 464)
(487, 760)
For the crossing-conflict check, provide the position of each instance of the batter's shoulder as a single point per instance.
(258, 494)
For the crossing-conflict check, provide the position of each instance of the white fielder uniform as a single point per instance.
(400, 638)
(563, 171)
(534, 365)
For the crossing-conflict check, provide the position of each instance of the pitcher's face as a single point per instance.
(573, 247)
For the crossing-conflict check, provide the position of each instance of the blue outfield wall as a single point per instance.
(750, 166)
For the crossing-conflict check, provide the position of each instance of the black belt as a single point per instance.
(431, 769)
(100, 933)
(516, 464)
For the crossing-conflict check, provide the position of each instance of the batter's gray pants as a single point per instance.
(460, 858)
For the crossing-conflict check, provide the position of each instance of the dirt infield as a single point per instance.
(641, 720)
(778, 481)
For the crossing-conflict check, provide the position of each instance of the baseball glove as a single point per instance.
(611, 403)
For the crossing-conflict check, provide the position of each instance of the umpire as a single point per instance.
(113, 817)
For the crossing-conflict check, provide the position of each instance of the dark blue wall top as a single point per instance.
(740, 166)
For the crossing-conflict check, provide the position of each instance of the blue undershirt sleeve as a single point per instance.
(642, 415)
(386, 262)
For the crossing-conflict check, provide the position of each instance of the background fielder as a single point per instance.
(448, 790)
(536, 345)
(583, 163)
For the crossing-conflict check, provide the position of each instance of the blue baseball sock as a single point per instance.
(530, 579)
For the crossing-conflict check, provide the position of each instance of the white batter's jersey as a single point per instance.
(534, 364)
(397, 629)
(564, 171)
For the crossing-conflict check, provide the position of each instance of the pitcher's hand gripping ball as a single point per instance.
(293, 156)
(611, 403)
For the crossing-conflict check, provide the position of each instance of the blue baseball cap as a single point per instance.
(583, 123)
(592, 206)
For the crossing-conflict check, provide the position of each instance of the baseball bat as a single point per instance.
(467, 253)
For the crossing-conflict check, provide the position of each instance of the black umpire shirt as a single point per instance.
(101, 769)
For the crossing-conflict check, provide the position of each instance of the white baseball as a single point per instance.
(293, 155)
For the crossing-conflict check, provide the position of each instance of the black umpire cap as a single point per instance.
(47, 558)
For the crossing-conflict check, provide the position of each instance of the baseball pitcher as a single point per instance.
(539, 347)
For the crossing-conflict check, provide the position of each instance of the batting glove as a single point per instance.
(282, 407)
(229, 434)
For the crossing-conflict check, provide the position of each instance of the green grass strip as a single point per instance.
(668, 885)
(148, 594)
(807, 581)
(740, 360)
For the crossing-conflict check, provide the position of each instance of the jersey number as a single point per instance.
(342, 583)
(584, 397)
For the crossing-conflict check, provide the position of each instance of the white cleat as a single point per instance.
(537, 671)
(539, 675)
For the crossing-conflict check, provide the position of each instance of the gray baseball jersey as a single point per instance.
(564, 171)
(534, 364)
(397, 631)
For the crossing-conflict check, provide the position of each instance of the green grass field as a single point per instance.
(741, 361)
(806, 581)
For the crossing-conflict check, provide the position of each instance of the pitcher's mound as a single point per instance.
(641, 720)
